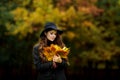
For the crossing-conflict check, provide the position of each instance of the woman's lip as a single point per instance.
(53, 38)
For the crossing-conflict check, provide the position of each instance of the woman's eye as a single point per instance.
(51, 33)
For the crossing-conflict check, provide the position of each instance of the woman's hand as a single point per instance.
(57, 59)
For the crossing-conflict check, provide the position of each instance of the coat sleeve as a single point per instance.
(64, 64)
(38, 61)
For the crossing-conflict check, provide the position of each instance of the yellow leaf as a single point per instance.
(49, 52)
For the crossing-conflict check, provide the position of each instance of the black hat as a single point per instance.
(50, 26)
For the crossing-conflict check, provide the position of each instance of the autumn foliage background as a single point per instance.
(92, 31)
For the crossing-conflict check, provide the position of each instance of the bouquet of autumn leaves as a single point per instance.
(52, 50)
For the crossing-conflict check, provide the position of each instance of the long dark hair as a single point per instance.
(43, 42)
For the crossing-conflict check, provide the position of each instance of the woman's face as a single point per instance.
(51, 35)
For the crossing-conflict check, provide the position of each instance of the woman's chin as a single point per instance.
(51, 40)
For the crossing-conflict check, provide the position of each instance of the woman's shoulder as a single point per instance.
(36, 46)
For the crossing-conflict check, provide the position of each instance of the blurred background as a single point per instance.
(92, 32)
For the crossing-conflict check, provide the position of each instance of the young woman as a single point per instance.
(49, 70)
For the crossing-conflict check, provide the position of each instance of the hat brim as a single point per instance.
(58, 31)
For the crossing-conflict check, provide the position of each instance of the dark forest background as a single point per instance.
(92, 32)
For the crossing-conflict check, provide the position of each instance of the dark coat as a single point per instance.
(46, 70)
